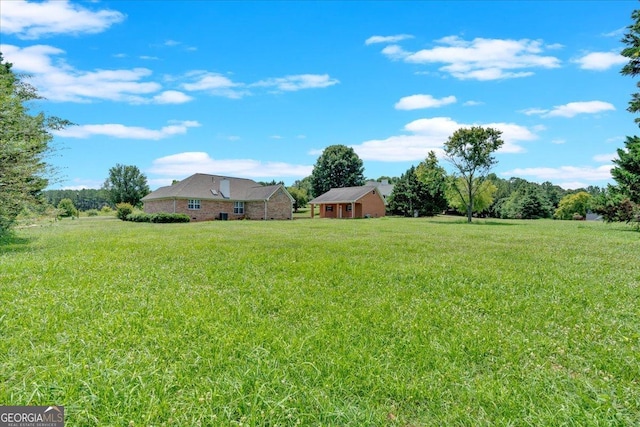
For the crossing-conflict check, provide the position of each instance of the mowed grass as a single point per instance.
(399, 322)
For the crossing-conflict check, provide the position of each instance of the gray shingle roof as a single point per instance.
(213, 187)
(343, 195)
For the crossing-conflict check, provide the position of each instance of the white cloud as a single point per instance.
(480, 59)
(214, 84)
(297, 82)
(569, 175)
(184, 164)
(387, 39)
(572, 109)
(127, 132)
(395, 52)
(605, 158)
(600, 61)
(32, 20)
(276, 137)
(615, 33)
(415, 102)
(430, 134)
(171, 97)
(60, 82)
(558, 141)
(472, 103)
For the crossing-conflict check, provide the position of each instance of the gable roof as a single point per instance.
(214, 187)
(345, 195)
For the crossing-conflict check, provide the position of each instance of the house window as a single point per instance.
(328, 208)
(238, 207)
(348, 208)
(193, 204)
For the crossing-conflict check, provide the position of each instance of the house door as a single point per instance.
(339, 211)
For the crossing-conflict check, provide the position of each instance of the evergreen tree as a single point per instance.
(24, 144)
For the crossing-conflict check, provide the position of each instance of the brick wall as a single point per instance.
(278, 207)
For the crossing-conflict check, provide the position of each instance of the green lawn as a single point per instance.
(391, 321)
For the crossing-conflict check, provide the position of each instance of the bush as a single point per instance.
(92, 212)
(106, 209)
(123, 210)
(139, 217)
(165, 218)
(67, 209)
(158, 218)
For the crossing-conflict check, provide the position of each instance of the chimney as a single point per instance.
(225, 188)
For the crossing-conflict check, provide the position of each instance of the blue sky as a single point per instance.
(259, 89)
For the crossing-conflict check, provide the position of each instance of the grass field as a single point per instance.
(398, 322)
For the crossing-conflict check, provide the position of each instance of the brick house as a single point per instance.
(350, 202)
(207, 197)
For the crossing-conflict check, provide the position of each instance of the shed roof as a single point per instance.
(344, 195)
(211, 187)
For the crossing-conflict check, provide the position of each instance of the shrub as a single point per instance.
(158, 218)
(165, 218)
(92, 212)
(106, 209)
(66, 208)
(139, 217)
(123, 210)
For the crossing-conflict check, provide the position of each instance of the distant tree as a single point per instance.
(24, 145)
(300, 197)
(126, 184)
(470, 151)
(553, 193)
(389, 179)
(483, 195)
(434, 177)
(338, 166)
(66, 208)
(272, 182)
(574, 206)
(408, 195)
(527, 202)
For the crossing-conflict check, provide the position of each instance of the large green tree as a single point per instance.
(627, 169)
(409, 195)
(632, 51)
(338, 166)
(434, 177)
(483, 195)
(470, 151)
(126, 184)
(574, 206)
(24, 144)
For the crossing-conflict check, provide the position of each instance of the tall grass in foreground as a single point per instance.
(400, 322)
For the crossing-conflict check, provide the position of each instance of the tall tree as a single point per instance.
(483, 195)
(627, 169)
(632, 51)
(434, 177)
(126, 184)
(24, 145)
(409, 195)
(470, 151)
(338, 166)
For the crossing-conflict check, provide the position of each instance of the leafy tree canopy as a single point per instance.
(484, 191)
(470, 151)
(574, 206)
(126, 184)
(339, 166)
